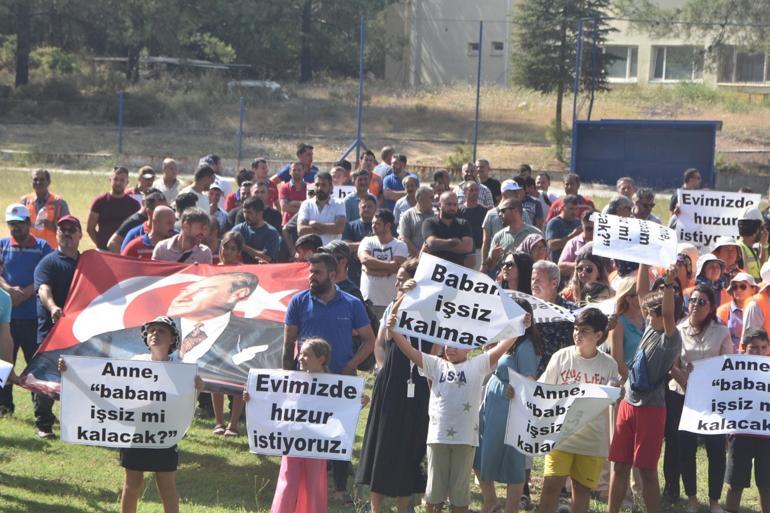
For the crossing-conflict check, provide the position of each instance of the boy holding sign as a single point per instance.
(453, 432)
(582, 455)
(161, 336)
(741, 449)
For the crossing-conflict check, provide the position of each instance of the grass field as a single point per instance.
(216, 475)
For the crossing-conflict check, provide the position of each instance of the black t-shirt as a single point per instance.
(494, 187)
(270, 215)
(57, 271)
(459, 228)
(475, 217)
(132, 222)
(673, 202)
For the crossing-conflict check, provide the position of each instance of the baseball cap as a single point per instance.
(751, 213)
(69, 219)
(147, 173)
(336, 248)
(216, 185)
(16, 212)
(509, 185)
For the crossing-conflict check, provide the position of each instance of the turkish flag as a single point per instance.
(240, 308)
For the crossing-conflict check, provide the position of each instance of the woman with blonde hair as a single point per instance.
(625, 337)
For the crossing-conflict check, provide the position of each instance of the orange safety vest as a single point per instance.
(53, 213)
(762, 300)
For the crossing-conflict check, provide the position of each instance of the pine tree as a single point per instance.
(545, 33)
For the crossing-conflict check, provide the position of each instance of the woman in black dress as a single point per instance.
(397, 427)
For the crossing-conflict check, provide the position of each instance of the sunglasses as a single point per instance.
(585, 268)
(698, 300)
(66, 229)
(508, 265)
(740, 286)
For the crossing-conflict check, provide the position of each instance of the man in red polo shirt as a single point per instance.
(163, 219)
(291, 194)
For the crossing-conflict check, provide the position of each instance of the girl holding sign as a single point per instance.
(161, 336)
(495, 461)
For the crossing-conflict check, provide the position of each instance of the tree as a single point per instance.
(23, 41)
(544, 56)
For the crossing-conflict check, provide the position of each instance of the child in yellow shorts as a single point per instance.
(579, 457)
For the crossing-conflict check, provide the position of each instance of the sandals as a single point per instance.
(219, 429)
(231, 432)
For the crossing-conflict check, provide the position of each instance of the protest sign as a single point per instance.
(540, 415)
(126, 403)
(292, 413)
(458, 307)
(633, 240)
(5, 371)
(705, 215)
(543, 311)
(341, 192)
(104, 313)
(728, 394)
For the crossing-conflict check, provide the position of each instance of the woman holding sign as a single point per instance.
(703, 336)
(397, 427)
(495, 461)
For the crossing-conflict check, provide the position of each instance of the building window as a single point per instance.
(498, 48)
(742, 67)
(624, 62)
(677, 63)
(473, 49)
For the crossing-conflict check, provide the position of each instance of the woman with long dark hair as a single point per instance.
(495, 461)
(397, 427)
(588, 268)
(516, 272)
(703, 336)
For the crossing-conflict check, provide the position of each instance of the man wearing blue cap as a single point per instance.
(21, 252)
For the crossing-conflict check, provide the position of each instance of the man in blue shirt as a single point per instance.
(355, 231)
(305, 156)
(563, 227)
(53, 279)
(262, 240)
(21, 252)
(325, 311)
(392, 185)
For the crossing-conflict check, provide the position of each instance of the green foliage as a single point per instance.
(461, 155)
(211, 48)
(51, 60)
(559, 139)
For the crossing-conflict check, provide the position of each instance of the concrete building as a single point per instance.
(438, 43)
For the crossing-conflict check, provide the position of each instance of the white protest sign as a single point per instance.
(458, 307)
(341, 192)
(292, 413)
(541, 415)
(728, 394)
(126, 403)
(543, 311)
(607, 307)
(5, 371)
(705, 215)
(633, 240)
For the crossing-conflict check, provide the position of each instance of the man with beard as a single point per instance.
(110, 209)
(325, 311)
(21, 253)
(446, 236)
(53, 279)
(321, 215)
(187, 246)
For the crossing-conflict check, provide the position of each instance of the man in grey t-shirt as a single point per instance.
(641, 420)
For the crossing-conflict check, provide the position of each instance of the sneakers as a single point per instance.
(564, 505)
(46, 434)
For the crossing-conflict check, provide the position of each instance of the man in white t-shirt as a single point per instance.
(204, 178)
(319, 214)
(381, 255)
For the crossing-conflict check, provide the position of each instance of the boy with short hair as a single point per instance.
(741, 449)
(581, 456)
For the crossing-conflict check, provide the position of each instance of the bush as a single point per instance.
(461, 155)
(138, 109)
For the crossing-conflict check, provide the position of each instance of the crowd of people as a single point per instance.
(436, 413)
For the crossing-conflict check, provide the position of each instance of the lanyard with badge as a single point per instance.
(410, 382)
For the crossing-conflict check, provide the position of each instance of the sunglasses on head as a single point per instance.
(698, 300)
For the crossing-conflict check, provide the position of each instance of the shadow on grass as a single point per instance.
(95, 497)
